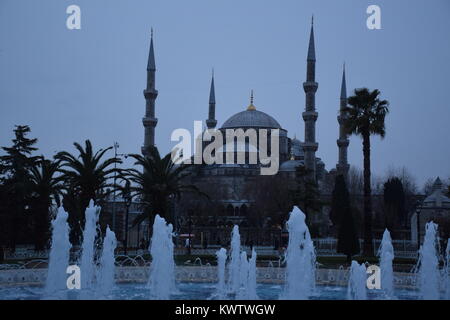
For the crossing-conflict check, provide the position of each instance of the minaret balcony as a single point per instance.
(310, 86)
(149, 122)
(150, 93)
(211, 123)
(310, 115)
(342, 118)
(310, 146)
(342, 142)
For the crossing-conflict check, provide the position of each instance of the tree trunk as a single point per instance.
(368, 245)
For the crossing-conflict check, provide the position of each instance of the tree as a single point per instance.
(348, 242)
(365, 117)
(272, 200)
(448, 191)
(46, 190)
(14, 168)
(306, 194)
(158, 184)
(86, 178)
(394, 203)
(410, 189)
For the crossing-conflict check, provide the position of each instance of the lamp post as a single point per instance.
(127, 197)
(116, 146)
(189, 231)
(418, 229)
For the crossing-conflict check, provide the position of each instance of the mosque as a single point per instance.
(228, 182)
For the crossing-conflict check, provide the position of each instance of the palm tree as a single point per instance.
(87, 177)
(46, 190)
(158, 184)
(365, 117)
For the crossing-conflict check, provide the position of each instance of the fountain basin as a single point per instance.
(196, 291)
(199, 274)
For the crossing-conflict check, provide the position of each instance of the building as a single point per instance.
(435, 207)
(230, 183)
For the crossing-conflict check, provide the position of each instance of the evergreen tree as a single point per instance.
(306, 193)
(14, 168)
(348, 242)
(394, 203)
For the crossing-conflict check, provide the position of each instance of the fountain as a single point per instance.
(356, 288)
(162, 269)
(243, 277)
(87, 265)
(106, 269)
(447, 271)
(59, 256)
(221, 260)
(251, 282)
(241, 282)
(300, 259)
(386, 254)
(428, 264)
(235, 260)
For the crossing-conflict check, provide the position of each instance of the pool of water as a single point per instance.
(190, 291)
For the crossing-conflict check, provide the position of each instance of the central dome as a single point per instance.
(251, 118)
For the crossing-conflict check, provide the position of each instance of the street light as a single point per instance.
(190, 231)
(418, 229)
(127, 197)
(116, 146)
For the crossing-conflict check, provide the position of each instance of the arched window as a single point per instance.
(230, 210)
(236, 211)
(243, 210)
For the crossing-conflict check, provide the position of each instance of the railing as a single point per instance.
(324, 247)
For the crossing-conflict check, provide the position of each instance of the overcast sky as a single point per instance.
(70, 85)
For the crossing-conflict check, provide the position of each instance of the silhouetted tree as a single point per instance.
(14, 167)
(366, 115)
(348, 242)
(158, 183)
(394, 203)
(306, 194)
(46, 190)
(272, 200)
(86, 177)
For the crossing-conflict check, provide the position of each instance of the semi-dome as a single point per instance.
(251, 118)
(297, 149)
(290, 165)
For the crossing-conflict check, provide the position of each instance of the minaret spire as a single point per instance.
(211, 121)
(151, 56)
(310, 115)
(150, 93)
(311, 46)
(343, 85)
(342, 166)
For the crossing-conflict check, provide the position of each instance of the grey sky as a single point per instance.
(69, 85)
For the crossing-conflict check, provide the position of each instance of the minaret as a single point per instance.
(150, 94)
(343, 142)
(310, 115)
(211, 121)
